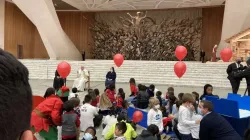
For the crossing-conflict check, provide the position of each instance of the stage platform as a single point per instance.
(158, 72)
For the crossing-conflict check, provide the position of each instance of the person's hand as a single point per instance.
(171, 116)
(197, 121)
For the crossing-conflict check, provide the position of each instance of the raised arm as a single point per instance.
(130, 15)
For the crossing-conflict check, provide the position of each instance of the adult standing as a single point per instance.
(47, 116)
(202, 56)
(82, 79)
(58, 81)
(231, 69)
(110, 77)
(213, 126)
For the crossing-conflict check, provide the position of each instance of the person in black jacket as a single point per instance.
(142, 98)
(213, 126)
(110, 77)
(149, 134)
(235, 81)
(245, 73)
(58, 81)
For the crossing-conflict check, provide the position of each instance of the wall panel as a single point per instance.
(212, 20)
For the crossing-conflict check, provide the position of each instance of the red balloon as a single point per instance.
(118, 59)
(36, 100)
(226, 54)
(180, 69)
(180, 52)
(63, 69)
(137, 116)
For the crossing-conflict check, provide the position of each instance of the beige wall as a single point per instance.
(2, 9)
(236, 19)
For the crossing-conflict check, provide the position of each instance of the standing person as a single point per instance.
(110, 77)
(245, 74)
(58, 81)
(213, 59)
(47, 116)
(16, 99)
(88, 113)
(213, 126)
(202, 56)
(82, 79)
(235, 81)
(184, 117)
(70, 122)
(155, 115)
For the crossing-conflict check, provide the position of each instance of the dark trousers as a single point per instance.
(98, 120)
(194, 139)
(235, 85)
(186, 137)
(69, 138)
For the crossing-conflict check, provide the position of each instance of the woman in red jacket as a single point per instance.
(47, 116)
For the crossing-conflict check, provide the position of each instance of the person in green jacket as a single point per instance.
(129, 134)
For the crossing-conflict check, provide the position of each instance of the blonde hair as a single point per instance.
(105, 103)
(152, 102)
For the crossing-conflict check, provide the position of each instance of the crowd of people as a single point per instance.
(191, 117)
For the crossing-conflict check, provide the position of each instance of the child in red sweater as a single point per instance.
(96, 101)
(111, 93)
(119, 101)
(133, 87)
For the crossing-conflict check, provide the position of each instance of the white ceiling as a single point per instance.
(111, 5)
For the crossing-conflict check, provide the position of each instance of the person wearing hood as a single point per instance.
(149, 134)
(208, 91)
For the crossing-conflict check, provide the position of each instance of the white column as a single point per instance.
(2, 11)
(236, 19)
(43, 15)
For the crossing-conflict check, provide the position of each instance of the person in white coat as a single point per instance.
(82, 79)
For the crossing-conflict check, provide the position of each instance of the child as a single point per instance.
(151, 90)
(184, 119)
(133, 88)
(119, 101)
(105, 104)
(120, 129)
(149, 134)
(73, 93)
(121, 92)
(70, 122)
(155, 115)
(170, 89)
(124, 110)
(76, 103)
(208, 91)
(88, 113)
(109, 121)
(195, 129)
(174, 109)
(63, 93)
(89, 134)
(180, 95)
(111, 93)
(196, 96)
(158, 96)
(97, 98)
(142, 97)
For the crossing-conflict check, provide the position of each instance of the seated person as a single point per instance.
(149, 134)
(109, 121)
(129, 134)
(95, 101)
(105, 104)
(111, 93)
(73, 93)
(120, 129)
(89, 134)
(142, 97)
(82, 79)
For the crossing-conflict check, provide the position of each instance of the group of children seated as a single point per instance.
(166, 113)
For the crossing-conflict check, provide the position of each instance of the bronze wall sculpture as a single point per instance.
(151, 35)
